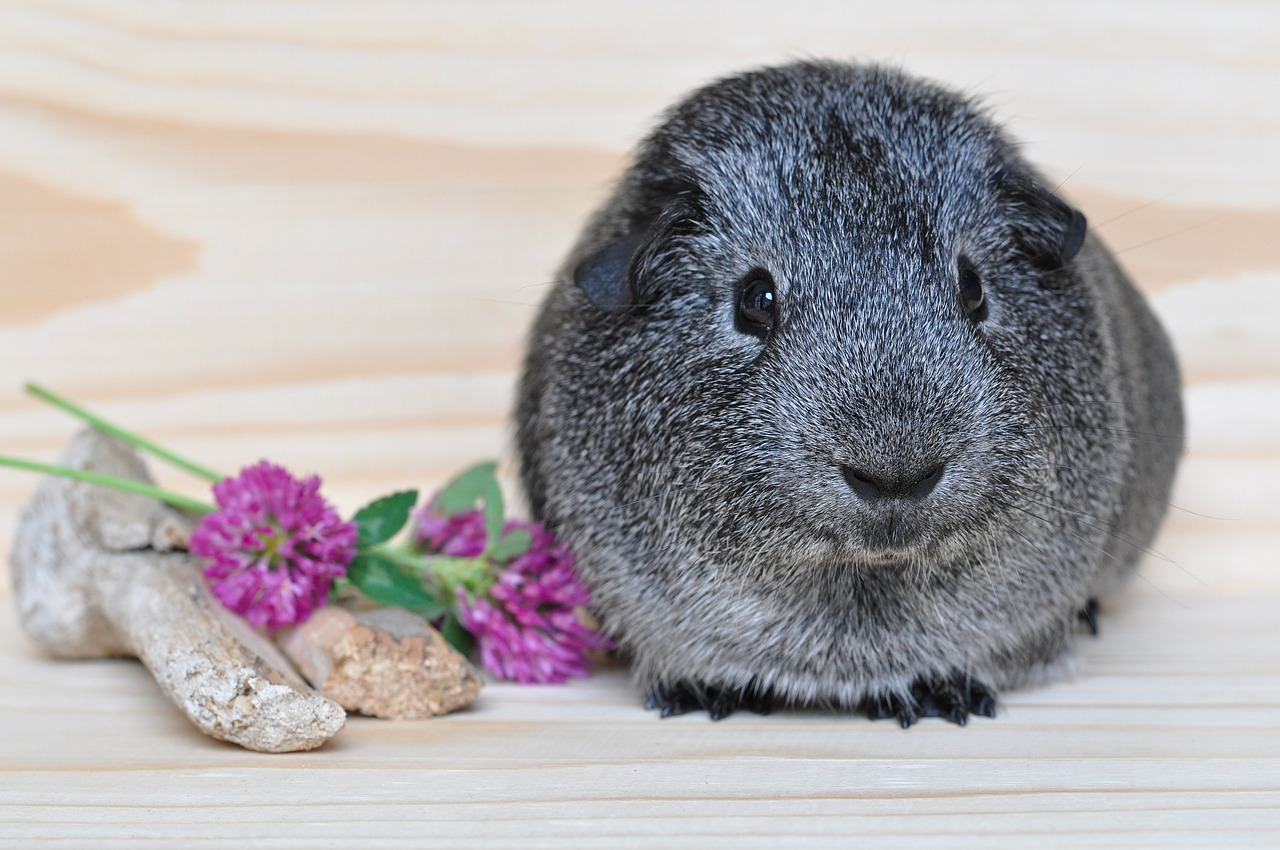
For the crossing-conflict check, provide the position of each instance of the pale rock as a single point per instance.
(99, 572)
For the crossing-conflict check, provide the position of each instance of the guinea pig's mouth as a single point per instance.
(902, 537)
(895, 533)
(896, 526)
(858, 545)
(899, 556)
(888, 557)
(887, 541)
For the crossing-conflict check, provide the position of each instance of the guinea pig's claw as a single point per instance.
(953, 699)
(722, 705)
(1089, 616)
(719, 703)
(672, 701)
(983, 703)
(890, 705)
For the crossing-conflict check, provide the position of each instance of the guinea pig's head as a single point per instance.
(813, 322)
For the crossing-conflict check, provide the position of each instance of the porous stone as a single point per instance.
(385, 662)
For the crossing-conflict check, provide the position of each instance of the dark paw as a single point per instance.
(1088, 615)
(953, 699)
(683, 697)
(891, 705)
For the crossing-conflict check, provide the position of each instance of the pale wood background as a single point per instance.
(315, 231)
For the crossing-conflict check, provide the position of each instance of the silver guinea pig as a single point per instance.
(838, 403)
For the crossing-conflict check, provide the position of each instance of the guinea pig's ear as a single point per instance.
(618, 276)
(605, 275)
(1050, 230)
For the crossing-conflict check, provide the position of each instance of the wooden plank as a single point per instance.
(318, 231)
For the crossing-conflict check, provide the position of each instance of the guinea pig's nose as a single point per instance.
(872, 485)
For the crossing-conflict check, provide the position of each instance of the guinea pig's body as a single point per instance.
(836, 403)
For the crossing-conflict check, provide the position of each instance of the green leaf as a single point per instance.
(513, 544)
(380, 520)
(461, 493)
(382, 581)
(493, 510)
(432, 612)
(458, 637)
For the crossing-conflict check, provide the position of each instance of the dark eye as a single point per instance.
(972, 298)
(757, 304)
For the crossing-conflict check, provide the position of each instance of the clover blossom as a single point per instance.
(275, 545)
(526, 623)
(460, 535)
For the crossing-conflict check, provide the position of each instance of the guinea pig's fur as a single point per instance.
(837, 403)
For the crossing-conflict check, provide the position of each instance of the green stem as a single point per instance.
(177, 500)
(450, 572)
(116, 431)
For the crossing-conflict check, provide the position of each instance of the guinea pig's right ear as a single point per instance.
(605, 275)
(619, 275)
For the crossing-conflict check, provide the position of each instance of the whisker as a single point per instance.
(1064, 180)
(1140, 491)
(1140, 207)
(1132, 568)
(1146, 550)
(1105, 429)
(1177, 232)
(498, 301)
(1064, 509)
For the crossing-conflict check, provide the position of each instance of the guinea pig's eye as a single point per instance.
(972, 298)
(757, 304)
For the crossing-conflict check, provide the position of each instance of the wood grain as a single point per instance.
(317, 232)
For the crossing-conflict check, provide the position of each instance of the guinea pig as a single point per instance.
(837, 403)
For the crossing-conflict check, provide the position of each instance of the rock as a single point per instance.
(385, 662)
(97, 572)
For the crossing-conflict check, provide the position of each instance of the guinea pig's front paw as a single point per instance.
(954, 699)
(684, 697)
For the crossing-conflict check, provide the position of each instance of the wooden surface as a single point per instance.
(314, 232)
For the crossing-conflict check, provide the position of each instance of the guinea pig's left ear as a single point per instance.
(1050, 230)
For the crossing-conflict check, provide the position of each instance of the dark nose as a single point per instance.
(875, 485)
